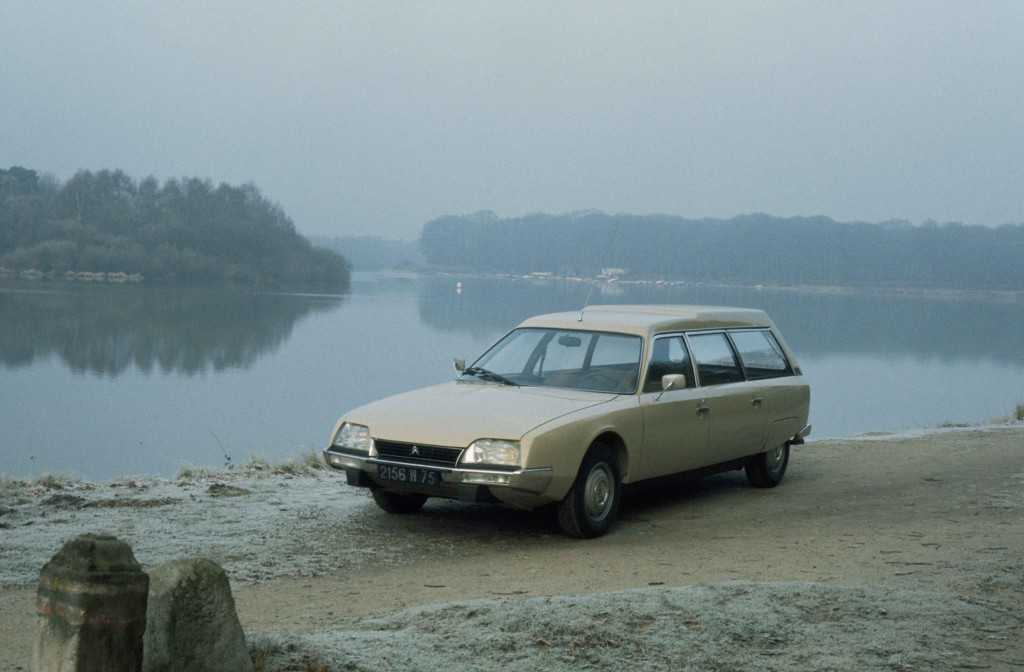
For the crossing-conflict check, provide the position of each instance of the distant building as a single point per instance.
(612, 274)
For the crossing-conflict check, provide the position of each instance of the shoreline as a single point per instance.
(310, 462)
(934, 293)
(1001, 296)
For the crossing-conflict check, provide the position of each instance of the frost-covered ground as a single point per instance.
(888, 554)
(727, 627)
(258, 526)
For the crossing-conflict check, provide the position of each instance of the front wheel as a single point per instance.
(392, 502)
(590, 508)
(765, 470)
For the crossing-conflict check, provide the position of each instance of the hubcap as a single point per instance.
(599, 492)
(777, 459)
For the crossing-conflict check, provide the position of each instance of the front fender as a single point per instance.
(562, 443)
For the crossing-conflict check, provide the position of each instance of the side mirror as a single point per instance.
(673, 381)
(459, 364)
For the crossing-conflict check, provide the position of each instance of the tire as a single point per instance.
(597, 485)
(766, 470)
(392, 502)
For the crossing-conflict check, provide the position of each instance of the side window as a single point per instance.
(761, 355)
(668, 356)
(716, 363)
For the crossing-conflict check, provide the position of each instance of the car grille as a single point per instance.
(439, 456)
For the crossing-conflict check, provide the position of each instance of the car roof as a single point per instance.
(644, 320)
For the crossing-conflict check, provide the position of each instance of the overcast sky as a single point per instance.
(374, 117)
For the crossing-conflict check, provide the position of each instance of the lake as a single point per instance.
(100, 382)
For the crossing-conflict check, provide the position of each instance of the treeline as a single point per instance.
(750, 249)
(183, 230)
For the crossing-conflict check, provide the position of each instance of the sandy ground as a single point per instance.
(889, 553)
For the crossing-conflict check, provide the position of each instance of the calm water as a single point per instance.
(108, 381)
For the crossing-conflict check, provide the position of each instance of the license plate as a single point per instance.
(408, 475)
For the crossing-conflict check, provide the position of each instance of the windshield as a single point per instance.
(578, 360)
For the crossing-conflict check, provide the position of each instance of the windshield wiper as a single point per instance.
(489, 375)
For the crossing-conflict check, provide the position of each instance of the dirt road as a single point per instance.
(935, 521)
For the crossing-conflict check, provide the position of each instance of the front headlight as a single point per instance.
(492, 451)
(353, 437)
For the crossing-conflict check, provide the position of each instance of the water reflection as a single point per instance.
(276, 371)
(814, 324)
(109, 330)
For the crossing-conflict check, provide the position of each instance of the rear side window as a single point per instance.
(761, 355)
(668, 356)
(715, 360)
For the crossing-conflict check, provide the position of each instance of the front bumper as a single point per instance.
(534, 481)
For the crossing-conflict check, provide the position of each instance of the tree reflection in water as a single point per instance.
(108, 330)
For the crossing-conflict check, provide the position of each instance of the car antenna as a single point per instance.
(608, 254)
(586, 302)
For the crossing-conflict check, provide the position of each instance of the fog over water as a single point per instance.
(375, 117)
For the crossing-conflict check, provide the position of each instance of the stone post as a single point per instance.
(91, 608)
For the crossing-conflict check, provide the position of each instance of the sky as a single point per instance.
(374, 117)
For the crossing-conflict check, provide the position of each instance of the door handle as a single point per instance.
(756, 402)
(703, 410)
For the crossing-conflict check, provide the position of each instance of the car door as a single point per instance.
(770, 375)
(733, 406)
(675, 428)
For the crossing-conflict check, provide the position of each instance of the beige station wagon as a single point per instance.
(567, 408)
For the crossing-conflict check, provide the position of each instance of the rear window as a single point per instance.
(760, 353)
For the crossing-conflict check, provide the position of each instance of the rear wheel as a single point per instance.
(765, 470)
(392, 502)
(590, 508)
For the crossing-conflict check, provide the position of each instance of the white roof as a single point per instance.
(652, 319)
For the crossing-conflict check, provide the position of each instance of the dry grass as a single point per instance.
(304, 464)
(190, 473)
(267, 654)
(261, 653)
(54, 481)
(11, 484)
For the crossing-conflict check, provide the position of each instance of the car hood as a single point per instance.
(459, 412)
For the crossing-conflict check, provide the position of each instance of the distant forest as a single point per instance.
(373, 253)
(183, 230)
(750, 249)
